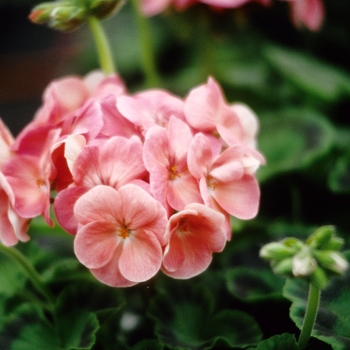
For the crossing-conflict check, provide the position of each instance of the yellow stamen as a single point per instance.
(40, 182)
(174, 173)
(212, 183)
(123, 232)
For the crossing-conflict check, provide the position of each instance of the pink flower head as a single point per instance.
(309, 13)
(121, 234)
(148, 108)
(13, 227)
(115, 162)
(224, 184)
(194, 234)
(165, 157)
(6, 140)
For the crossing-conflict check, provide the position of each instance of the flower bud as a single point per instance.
(331, 260)
(335, 243)
(105, 8)
(276, 250)
(303, 263)
(319, 278)
(321, 237)
(283, 267)
(67, 18)
(41, 14)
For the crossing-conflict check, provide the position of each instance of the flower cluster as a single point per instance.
(144, 182)
(308, 13)
(317, 259)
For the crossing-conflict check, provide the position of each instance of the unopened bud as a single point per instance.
(321, 237)
(276, 251)
(283, 267)
(41, 14)
(67, 18)
(319, 278)
(105, 8)
(335, 243)
(303, 263)
(333, 261)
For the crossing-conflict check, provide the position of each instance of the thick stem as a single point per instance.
(28, 268)
(147, 54)
(103, 48)
(310, 316)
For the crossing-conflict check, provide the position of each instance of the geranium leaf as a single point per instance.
(283, 341)
(254, 284)
(185, 318)
(333, 319)
(27, 328)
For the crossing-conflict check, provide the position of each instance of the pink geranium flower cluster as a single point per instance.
(308, 13)
(145, 182)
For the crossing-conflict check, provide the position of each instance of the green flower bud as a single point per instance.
(304, 263)
(319, 278)
(331, 260)
(105, 8)
(321, 237)
(335, 243)
(67, 18)
(41, 14)
(283, 267)
(276, 251)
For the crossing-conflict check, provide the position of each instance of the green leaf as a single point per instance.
(27, 328)
(292, 139)
(254, 284)
(333, 319)
(283, 341)
(310, 75)
(185, 318)
(339, 177)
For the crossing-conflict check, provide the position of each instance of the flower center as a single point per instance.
(174, 173)
(183, 226)
(212, 183)
(40, 182)
(123, 232)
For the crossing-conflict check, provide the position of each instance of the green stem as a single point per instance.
(147, 54)
(31, 273)
(310, 315)
(103, 48)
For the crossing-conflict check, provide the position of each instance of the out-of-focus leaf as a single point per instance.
(254, 284)
(185, 318)
(12, 276)
(339, 176)
(283, 341)
(292, 139)
(310, 75)
(333, 319)
(28, 329)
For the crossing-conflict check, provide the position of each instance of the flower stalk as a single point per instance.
(147, 53)
(310, 315)
(102, 45)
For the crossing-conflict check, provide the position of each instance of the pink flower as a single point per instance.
(309, 13)
(224, 184)
(152, 107)
(165, 157)
(13, 227)
(194, 234)
(114, 162)
(121, 235)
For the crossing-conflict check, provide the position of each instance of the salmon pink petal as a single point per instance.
(99, 203)
(95, 243)
(239, 198)
(174, 255)
(199, 156)
(137, 207)
(64, 207)
(110, 274)
(141, 256)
